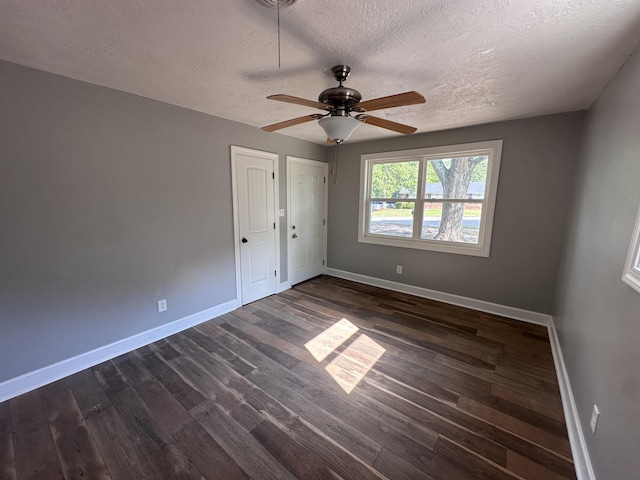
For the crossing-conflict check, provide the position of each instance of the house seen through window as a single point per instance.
(439, 198)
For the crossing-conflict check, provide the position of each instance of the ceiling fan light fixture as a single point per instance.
(338, 128)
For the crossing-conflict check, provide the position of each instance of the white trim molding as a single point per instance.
(581, 459)
(481, 305)
(631, 273)
(45, 375)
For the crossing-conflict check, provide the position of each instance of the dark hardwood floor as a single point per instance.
(451, 394)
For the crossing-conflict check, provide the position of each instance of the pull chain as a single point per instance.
(278, 7)
(336, 152)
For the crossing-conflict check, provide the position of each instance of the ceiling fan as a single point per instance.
(340, 102)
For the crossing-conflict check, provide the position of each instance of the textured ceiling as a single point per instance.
(475, 61)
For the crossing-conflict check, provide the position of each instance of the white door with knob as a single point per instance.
(307, 221)
(255, 234)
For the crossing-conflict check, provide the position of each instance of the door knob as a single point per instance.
(244, 240)
(294, 235)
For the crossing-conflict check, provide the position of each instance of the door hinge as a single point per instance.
(324, 222)
(325, 179)
(274, 225)
(273, 175)
(275, 273)
(322, 262)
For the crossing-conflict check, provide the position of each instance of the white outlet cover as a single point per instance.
(595, 415)
(281, 212)
(162, 305)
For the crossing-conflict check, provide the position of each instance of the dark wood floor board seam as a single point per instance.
(155, 396)
(257, 332)
(77, 451)
(443, 351)
(469, 460)
(265, 366)
(7, 452)
(536, 453)
(472, 437)
(118, 447)
(36, 455)
(346, 460)
(364, 447)
(173, 382)
(207, 454)
(300, 460)
(165, 458)
(480, 426)
(218, 353)
(239, 444)
(480, 373)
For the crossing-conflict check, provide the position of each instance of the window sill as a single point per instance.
(434, 246)
(633, 280)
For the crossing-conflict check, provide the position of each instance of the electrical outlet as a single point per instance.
(281, 212)
(595, 415)
(399, 269)
(162, 305)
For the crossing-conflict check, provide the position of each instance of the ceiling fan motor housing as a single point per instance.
(340, 98)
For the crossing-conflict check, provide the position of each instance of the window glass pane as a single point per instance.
(392, 218)
(451, 221)
(394, 180)
(457, 178)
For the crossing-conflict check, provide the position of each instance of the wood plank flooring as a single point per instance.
(455, 395)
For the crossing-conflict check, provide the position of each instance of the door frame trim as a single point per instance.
(314, 163)
(275, 158)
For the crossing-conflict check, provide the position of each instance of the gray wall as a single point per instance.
(536, 176)
(108, 203)
(597, 315)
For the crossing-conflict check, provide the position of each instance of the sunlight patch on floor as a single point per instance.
(354, 363)
(322, 345)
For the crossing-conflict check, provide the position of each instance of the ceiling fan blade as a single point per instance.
(399, 100)
(388, 124)
(299, 101)
(291, 123)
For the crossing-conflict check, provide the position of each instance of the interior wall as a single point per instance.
(597, 315)
(108, 203)
(536, 177)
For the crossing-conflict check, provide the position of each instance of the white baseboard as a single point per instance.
(284, 286)
(481, 305)
(581, 460)
(38, 378)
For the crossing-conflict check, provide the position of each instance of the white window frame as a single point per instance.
(631, 274)
(493, 149)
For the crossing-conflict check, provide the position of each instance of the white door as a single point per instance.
(307, 218)
(254, 215)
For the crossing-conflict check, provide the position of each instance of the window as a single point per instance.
(631, 274)
(439, 198)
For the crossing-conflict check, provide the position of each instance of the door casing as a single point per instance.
(274, 158)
